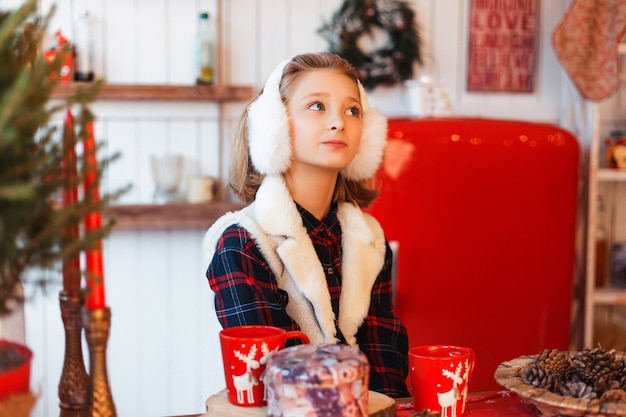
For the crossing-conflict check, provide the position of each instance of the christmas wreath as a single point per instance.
(378, 37)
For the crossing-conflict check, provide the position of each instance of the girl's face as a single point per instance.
(325, 120)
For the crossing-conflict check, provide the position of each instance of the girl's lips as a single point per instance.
(335, 143)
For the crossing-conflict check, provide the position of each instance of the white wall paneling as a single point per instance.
(163, 352)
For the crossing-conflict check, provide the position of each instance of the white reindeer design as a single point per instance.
(245, 382)
(448, 400)
(266, 354)
(465, 378)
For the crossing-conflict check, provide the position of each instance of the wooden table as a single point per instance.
(500, 403)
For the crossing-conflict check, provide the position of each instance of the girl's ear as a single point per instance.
(268, 128)
(373, 142)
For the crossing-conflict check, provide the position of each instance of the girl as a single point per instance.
(302, 255)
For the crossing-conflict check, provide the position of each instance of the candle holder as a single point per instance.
(73, 383)
(97, 323)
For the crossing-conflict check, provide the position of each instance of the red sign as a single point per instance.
(503, 45)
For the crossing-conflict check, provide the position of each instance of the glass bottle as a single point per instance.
(83, 42)
(204, 51)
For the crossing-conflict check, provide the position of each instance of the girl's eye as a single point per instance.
(354, 111)
(316, 106)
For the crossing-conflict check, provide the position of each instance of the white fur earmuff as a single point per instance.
(270, 145)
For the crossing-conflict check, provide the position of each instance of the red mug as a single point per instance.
(245, 350)
(439, 378)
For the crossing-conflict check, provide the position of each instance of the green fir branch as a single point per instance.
(33, 221)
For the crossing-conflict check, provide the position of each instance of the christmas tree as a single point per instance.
(33, 220)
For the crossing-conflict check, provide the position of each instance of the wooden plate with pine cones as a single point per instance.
(590, 382)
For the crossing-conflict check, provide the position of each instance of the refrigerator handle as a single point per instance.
(395, 246)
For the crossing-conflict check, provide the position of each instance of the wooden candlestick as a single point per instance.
(73, 383)
(97, 323)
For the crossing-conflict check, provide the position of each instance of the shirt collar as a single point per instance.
(311, 223)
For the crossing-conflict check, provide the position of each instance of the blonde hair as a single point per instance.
(245, 180)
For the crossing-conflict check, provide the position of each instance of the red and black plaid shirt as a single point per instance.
(246, 292)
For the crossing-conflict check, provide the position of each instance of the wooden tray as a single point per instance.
(508, 374)
(217, 405)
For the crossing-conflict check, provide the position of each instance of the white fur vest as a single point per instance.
(274, 222)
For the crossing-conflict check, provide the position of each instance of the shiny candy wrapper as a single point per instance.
(317, 380)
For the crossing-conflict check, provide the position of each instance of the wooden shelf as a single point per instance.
(178, 215)
(165, 216)
(216, 92)
(607, 174)
(609, 296)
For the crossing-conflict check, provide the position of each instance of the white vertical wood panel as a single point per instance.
(304, 19)
(474, 102)
(446, 48)
(123, 292)
(322, 13)
(186, 276)
(272, 37)
(120, 44)
(181, 28)
(208, 148)
(183, 140)
(231, 115)
(155, 322)
(548, 79)
(152, 45)
(61, 19)
(210, 367)
(210, 373)
(241, 31)
(10, 4)
(55, 351)
(121, 137)
(42, 331)
(48, 352)
(153, 140)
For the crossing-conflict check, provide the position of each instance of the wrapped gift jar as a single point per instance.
(317, 380)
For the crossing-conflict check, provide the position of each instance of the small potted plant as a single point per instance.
(33, 220)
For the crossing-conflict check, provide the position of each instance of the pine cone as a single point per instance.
(587, 374)
(578, 390)
(622, 379)
(598, 368)
(614, 396)
(555, 361)
(539, 377)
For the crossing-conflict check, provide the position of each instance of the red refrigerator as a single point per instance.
(483, 213)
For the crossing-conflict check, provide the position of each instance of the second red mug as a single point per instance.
(439, 378)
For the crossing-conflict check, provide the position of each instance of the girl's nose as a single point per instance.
(335, 122)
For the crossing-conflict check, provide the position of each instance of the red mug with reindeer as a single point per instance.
(245, 350)
(439, 376)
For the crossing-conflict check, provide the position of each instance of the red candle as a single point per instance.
(71, 265)
(93, 221)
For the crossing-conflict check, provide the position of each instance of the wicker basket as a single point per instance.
(508, 374)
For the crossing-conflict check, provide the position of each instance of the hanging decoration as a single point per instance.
(503, 42)
(586, 43)
(378, 37)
